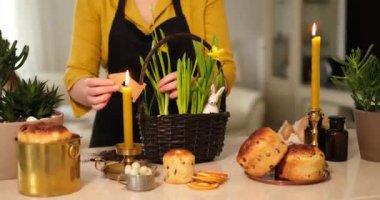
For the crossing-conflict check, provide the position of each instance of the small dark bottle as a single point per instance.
(336, 141)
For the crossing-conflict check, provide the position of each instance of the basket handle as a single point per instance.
(165, 40)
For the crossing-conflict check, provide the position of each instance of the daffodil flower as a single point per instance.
(164, 48)
(215, 52)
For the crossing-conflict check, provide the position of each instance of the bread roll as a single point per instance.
(43, 133)
(261, 152)
(302, 163)
(178, 166)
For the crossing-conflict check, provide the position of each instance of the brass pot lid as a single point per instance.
(114, 171)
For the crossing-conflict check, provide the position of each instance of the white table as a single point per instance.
(354, 179)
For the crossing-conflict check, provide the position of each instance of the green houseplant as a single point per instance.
(361, 76)
(20, 100)
(29, 99)
(9, 60)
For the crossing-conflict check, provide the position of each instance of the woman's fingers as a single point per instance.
(93, 92)
(98, 86)
(94, 82)
(169, 87)
(93, 100)
(167, 79)
(168, 83)
(98, 102)
(173, 94)
(99, 106)
(99, 90)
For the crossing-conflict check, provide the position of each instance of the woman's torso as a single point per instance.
(92, 24)
(125, 36)
(163, 11)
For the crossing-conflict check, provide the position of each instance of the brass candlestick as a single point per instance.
(315, 115)
(315, 133)
(129, 154)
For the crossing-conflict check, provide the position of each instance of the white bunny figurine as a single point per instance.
(211, 106)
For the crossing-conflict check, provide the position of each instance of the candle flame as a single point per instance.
(314, 29)
(126, 78)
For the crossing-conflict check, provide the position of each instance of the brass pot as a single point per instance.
(8, 144)
(49, 169)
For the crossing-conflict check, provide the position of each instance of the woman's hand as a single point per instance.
(169, 84)
(93, 92)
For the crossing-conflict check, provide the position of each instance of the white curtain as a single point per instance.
(7, 19)
(245, 28)
(44, 25)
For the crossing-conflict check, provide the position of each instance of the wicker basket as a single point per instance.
(202, 134)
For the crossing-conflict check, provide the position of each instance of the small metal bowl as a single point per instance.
(140, 182)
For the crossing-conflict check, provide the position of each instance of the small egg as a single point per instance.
(143, 170)
(148, 171)
(134, 171)
(31, 119)
(136, 165)
(127, 169)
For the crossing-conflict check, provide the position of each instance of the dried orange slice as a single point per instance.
(202, 185)
(209, 179)
(213, 173)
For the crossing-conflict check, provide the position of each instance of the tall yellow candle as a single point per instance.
(315, 67)
(127, 112)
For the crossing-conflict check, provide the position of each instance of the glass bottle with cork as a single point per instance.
(336, 139)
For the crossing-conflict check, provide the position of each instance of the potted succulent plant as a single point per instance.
(361, 76)
(20, 100)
